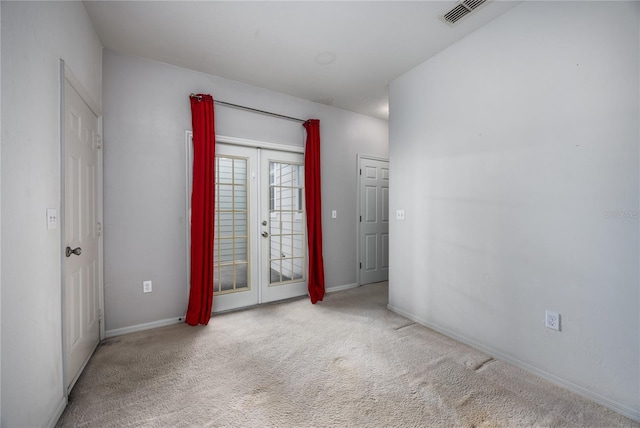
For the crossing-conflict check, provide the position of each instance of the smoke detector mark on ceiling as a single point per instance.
(326, 58)
(460, 10)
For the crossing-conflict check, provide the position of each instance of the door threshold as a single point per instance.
(258, 305)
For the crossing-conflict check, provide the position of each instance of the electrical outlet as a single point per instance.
(147, 287)
(400, 215)
(52, 218)
(552, 320)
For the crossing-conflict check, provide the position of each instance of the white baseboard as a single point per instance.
(145, 326)
(341, 287)
(623, 409)
(170, 321)
(55, 416)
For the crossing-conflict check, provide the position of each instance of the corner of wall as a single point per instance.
(57, 412)
(35, 36)
(513, 218)
(0, 212)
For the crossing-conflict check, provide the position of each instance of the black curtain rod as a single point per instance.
(255, 110)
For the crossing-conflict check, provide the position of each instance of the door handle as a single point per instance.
(265, 234)
(77, 251)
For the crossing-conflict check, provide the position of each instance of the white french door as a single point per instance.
(260, 226)
(283, 226)
(236, 258)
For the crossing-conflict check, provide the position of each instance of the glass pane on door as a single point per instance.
(287, 258)
(231, 242)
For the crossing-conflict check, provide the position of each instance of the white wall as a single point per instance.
(509, 151)
(146, 112)
(0, 221)
(34, 37)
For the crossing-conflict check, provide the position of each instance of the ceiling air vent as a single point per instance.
(461, 10)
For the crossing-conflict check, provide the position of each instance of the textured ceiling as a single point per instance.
(340, 53)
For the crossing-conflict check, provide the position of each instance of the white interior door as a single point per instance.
(374, 220)
(260, 226)
(81, 264)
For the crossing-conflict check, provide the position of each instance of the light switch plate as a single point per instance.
(147, 286)
(334, 214)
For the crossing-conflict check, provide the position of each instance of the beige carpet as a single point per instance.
(345, 362)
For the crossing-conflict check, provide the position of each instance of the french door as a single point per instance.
(260, 227)
(283, 226)
(236, 258)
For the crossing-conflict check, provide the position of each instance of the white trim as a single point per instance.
(144, 326)
(188, 177)
(258, 226)
(251, 143)
(575, 388)
(341, 287)
(259, 144)
(358, 180)
(100, 218)
(376, 158)
(62, 231)
(75, 83)
(57, 412)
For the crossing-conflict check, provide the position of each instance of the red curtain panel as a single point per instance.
(202, 210)
(314, 209)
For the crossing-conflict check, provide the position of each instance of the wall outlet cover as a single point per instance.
(52, 218)
(552, 320)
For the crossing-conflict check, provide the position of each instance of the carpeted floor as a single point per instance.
(345, 362)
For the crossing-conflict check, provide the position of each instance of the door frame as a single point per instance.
(66, 75)
(233, 141)
(359, 158)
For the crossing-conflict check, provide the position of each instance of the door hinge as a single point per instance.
(360, 265)
(360, 171)
(360, 219)
(99, 229)
(98, 142)
(99, 314)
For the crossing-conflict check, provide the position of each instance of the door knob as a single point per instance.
(77, 251)
(265, 234)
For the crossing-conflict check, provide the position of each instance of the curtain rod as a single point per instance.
(255, 110)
